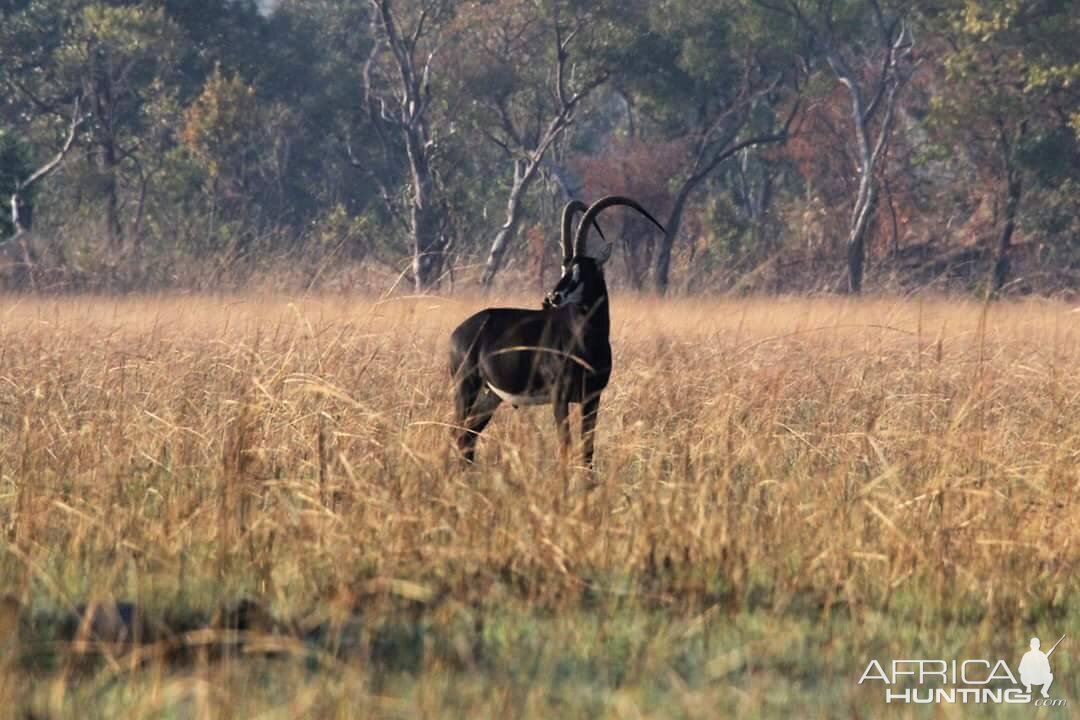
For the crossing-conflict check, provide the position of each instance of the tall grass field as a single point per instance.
(250, 506)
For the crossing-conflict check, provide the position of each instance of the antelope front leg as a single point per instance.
(562, 424)
(589, 410)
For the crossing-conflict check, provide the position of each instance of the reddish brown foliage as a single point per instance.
(641, 170)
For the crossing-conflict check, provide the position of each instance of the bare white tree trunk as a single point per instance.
(18, 250)
(887, 80)
(20, 222)
(524, 172)
(525, 168)
(426, 216)
(870, 150)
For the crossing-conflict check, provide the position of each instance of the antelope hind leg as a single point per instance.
(589, 411)
(475, 405)
(562, 425)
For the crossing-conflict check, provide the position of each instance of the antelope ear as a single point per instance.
(604, 254)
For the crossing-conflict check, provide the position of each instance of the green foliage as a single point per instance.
(337, 233)
(213, 122)
(1012, 73)
(221, 125)
(118, 50)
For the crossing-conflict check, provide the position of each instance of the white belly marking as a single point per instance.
(516, 400)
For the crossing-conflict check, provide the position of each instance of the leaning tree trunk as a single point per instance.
(856, 260)
(18, 261)
(22, 213)
(1002, 264)
(674, 219)
(856, 242)
(524, 173)
(869, 155)
(701, 170)
(525, 168)
(107, 166)
(638, 250)
(425, 226)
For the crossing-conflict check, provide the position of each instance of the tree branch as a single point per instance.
(77, 120)
(356, 163)
(766, 139)
(42, 105)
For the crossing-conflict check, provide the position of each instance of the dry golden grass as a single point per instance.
(762, 464)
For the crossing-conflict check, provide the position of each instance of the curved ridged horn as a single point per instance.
(571, 209)
(596, 208)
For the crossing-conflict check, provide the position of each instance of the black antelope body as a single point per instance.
(559, 354)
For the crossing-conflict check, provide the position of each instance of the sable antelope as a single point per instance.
(559, 354)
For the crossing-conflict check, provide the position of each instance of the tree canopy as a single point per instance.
(787, 144)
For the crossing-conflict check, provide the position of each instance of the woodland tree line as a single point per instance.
(786, 145)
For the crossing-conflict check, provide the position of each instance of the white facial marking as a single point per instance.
(577, 289)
